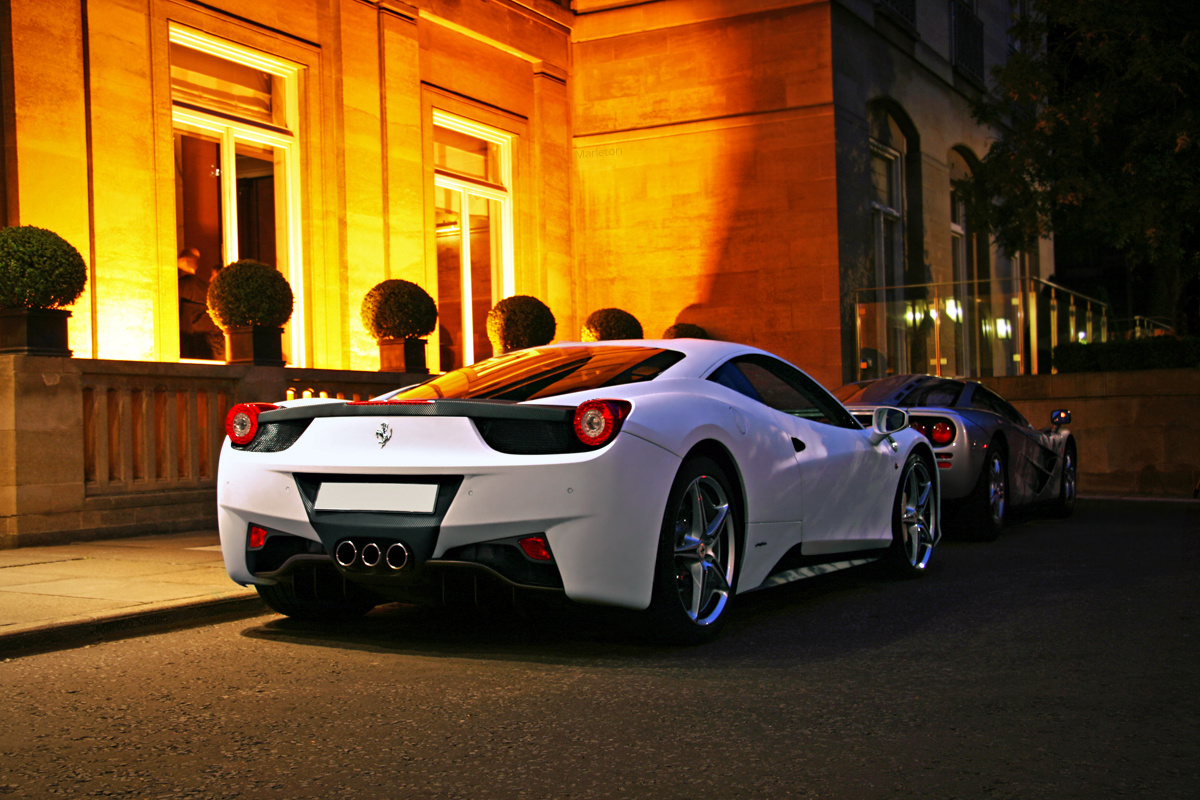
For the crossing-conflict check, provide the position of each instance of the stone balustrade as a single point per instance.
(92, 448)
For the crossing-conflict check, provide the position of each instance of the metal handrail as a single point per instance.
(1084, 318)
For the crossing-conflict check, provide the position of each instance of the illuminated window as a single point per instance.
(234, 113)
(474, 220)
(887, 216)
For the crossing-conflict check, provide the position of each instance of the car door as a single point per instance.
(843, 481)
(1030, 459)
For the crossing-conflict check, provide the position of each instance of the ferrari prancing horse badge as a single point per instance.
(384, 434)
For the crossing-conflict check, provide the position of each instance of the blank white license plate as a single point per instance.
(416, 498)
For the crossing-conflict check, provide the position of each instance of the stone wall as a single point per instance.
(1138, 432)
(92, 448)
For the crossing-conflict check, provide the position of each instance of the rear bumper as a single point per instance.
(601, 513)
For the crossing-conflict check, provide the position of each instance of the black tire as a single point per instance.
(1068, 486)
(696, 569)
(987, 505)
(914, 520)
(317, 594)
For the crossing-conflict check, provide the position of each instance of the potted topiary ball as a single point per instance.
(685, 330)
(399, 314)
(40, 272)
(610, 323)
(518, 322)
(251, 301)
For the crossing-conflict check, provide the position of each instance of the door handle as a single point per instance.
(797, 445)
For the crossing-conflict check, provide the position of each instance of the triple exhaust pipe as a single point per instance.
(371, 555)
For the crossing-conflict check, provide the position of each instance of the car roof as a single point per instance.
(700, 355)
(907, 391)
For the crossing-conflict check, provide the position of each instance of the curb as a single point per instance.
(75, 632)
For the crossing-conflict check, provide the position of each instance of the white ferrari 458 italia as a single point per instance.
(668, 476)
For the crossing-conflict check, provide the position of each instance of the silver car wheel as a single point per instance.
(917, 515)
(1069, 478)
(1068, 483)
(704, 550)
(997, 491)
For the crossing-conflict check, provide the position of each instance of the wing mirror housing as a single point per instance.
(885, 421)
(1059, 418)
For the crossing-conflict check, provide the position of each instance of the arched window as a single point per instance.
(899, 313)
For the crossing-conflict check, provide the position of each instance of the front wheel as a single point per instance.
(914, 520)
(697, 555)
(1064, 506)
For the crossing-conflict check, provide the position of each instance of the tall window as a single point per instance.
(235, 119)
(474, 219)
(887, 215)
(887, 220)
(961, 305)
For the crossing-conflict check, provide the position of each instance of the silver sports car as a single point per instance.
(989, 457)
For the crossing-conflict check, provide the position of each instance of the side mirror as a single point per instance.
(1059, 418)
(886, 421)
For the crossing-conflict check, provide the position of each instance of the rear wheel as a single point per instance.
(1065, 505)
(914, 520)
(317, 594)
(697, 555)
(988, 502)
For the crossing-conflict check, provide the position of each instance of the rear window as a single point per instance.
(533, 374)
(902, 391)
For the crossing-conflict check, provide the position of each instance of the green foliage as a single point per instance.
(1099, 120)
(685, 330)
(396, 309)
(39, 269)
(248, 292)
(518, 322)
(610, 323)
(1158, 352)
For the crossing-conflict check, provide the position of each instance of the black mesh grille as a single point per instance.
(529, 437)
(275, 436)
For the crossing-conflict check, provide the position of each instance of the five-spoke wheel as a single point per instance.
(697, 557)
(915, 529)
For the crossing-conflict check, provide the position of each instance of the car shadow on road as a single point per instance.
(819, 618)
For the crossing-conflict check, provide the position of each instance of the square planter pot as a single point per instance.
(34, 331)
(402, 355)
(254, 344)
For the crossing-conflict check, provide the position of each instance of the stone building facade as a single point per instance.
(751, 166)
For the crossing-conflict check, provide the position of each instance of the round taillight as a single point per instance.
(920, 427)
(597, 421)
(942, 433)
(241, 423)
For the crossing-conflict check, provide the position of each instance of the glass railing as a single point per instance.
(972, 328)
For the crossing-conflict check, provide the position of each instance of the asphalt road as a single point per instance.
(1061, 661)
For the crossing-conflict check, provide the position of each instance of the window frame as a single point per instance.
(230, 130)
(501, 193)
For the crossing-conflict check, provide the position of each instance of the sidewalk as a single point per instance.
(75, 594)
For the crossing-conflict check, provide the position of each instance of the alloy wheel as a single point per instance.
(704, 550)
(917, 515)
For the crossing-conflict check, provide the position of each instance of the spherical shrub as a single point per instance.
(610, 323)
(396, 309)
(685, 330)
(518, 322)
(39, 269)
(248, 292)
